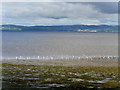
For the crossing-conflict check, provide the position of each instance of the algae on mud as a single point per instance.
(21, 75)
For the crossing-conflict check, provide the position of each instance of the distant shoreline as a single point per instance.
(64, 28)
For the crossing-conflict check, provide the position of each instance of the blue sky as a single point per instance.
(60, 13)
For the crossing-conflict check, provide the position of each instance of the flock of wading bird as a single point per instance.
(61, 57)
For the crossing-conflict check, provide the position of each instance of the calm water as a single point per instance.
(59, 44)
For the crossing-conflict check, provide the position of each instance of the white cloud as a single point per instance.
(51, 13)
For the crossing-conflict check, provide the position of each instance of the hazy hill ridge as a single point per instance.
(65, 28)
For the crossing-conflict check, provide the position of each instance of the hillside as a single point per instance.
(65, 28)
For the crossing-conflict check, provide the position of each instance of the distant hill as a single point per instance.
(62, 28)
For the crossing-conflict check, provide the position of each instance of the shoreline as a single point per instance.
(68, 62)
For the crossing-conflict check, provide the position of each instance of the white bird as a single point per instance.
(27, 58)
(16, 57)
(20, 57)
(38, 57)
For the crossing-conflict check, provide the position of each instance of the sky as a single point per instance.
(60, 13)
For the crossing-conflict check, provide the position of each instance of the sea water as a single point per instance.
(50, 45)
